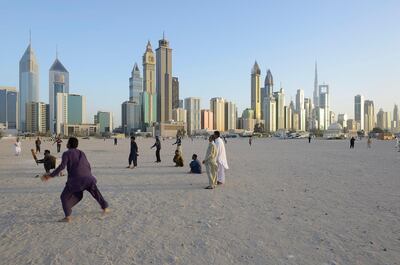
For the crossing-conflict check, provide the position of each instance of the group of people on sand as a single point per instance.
(215, 159)
(80, 177)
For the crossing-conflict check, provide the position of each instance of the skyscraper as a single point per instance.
(369, 116)
(28, 83)
(300, 109)
(280, 108)
(105, 121)
(135, 85)
(308, 106)
(9, 108)
(359, 110)
(175, 92)
(58, 83)
(316, 91)
(230, 115)
(207, 120)
(324, 104)
(217, 107)
(270, 113)
(256, 91)
(149, 102)
(164, 81)
(130, 117)
(266, 91)
(383, 120)
(71, 110)
(395, 122)
(192, 106)
(35, 117)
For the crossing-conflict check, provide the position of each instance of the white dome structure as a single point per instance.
(335, 131)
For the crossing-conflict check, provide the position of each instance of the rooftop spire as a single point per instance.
(57, 51)
(30, 37)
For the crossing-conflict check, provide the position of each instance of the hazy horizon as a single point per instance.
(214, 47)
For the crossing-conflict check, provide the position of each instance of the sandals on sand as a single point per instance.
(209, 188)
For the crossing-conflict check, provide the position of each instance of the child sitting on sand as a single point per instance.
(195, 166)
(178, 160)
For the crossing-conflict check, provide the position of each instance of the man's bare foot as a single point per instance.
(66, 220)
(106, 210)
(132, 167)
(128, 166)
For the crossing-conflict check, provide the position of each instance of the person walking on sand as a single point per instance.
(133, 153)
(157, 145)
(309, 138)
(17, 147)
(115, 141)
(211, 163)
(250, 140)
(37, 144)
(178, 143)
(58, 141)
(352, 140)
(222, 163)
(80, 178)
(369, 142)
(397, 145)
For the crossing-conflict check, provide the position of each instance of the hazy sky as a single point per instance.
(215, 43)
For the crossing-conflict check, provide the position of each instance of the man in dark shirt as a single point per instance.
(157, 145)
(133, 153)
(195, 166)
(80, 178)
(49, 161)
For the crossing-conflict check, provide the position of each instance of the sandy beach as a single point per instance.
(284, 202)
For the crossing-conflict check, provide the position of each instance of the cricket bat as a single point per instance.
(34, 155)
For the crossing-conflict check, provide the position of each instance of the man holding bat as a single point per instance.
(80, 178)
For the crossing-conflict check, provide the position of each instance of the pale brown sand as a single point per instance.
(285, 202)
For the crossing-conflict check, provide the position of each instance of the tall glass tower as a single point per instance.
(58, 83)
(28, 83)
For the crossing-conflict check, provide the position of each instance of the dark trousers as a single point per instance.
(133, 158)
(58, 148)
(37, 148)
(158, 155)
(69, 199)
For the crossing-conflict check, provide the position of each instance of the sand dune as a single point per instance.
(285, 202)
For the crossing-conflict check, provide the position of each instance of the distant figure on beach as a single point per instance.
(157, 145)
(115, 141)
(369, 142)
(133, 154)
(80, 178)
(195, 166)
(17, 147)
(225, 141)
(211, 163)
(397, 145)
(352, 140)
(48, 161)
(178, 160)
(178, 143)
(222, 163)
(58, 141)
(250, 140)
(37, 144)
(309, 138)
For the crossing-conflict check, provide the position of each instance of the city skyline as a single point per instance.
(219, 74)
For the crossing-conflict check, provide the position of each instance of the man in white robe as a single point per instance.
(222, 163)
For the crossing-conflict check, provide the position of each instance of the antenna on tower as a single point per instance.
(163, 35)
(30, 37)
(56, 51)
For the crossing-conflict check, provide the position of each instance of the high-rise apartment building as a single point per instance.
(207, 120)
(217, 107)
(58, 83)
(369, 116)
(164, 81)
(28, 83)
(324, 103)
(9, 108)
(395, 121)
(359, 110)
(71, 110)
(269, 110)
(35, 117)
(300, 109)
(175, 92)
(316, 88)
(230, 115)
(192, 106)
(266, 91)
(130, 117)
